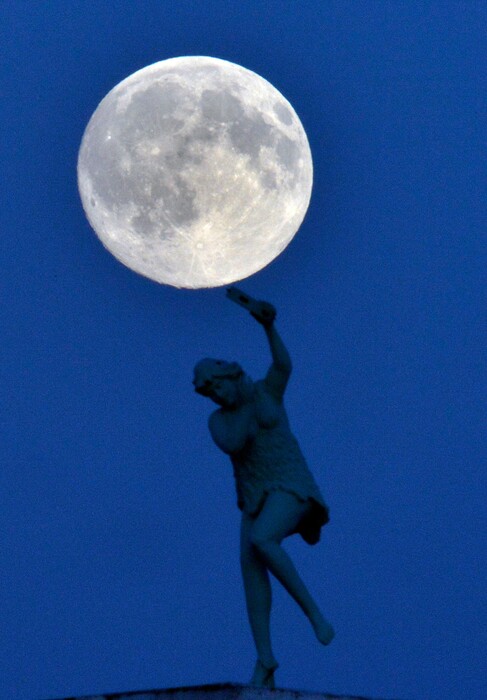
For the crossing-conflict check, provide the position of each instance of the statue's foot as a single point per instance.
(323, 630)
(263, 675)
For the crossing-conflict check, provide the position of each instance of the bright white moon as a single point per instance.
(195, 172)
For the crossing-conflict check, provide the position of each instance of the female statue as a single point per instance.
(276, 492)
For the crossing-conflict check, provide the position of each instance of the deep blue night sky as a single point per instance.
(119, 546)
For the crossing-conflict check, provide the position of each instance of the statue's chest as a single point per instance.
(263, 413)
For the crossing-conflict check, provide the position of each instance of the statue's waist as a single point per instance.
(268, 455)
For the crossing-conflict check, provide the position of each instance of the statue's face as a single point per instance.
(221, 390)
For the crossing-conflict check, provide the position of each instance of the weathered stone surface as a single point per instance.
(220, 691)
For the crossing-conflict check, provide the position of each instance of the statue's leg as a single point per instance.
(278, 518)
(258, 596)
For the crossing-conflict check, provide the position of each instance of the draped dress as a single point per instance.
(271, 460)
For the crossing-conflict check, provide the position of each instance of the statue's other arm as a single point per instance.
(230, 432)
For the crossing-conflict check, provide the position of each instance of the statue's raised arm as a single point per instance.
(265, 313)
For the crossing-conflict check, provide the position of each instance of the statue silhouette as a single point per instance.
(276, 492)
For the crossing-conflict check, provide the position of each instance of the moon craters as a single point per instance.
(195, 172)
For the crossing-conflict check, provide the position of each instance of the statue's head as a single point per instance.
(223, 382)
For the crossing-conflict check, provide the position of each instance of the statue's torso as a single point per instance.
(271, 457)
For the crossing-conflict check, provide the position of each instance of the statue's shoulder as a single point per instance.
(218, 428)
(215, 417)
(219, 420)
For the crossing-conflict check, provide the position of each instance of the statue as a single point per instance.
(276, 492)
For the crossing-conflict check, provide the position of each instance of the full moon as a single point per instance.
(195, 172)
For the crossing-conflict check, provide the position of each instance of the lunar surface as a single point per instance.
(195, 172)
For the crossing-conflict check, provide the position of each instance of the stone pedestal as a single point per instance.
(220, 691)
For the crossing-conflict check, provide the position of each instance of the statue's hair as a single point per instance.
(208, 369)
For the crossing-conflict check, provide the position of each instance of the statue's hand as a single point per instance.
(263, 312)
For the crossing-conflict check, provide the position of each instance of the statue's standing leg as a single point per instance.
(258, 596)
(278, 518)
